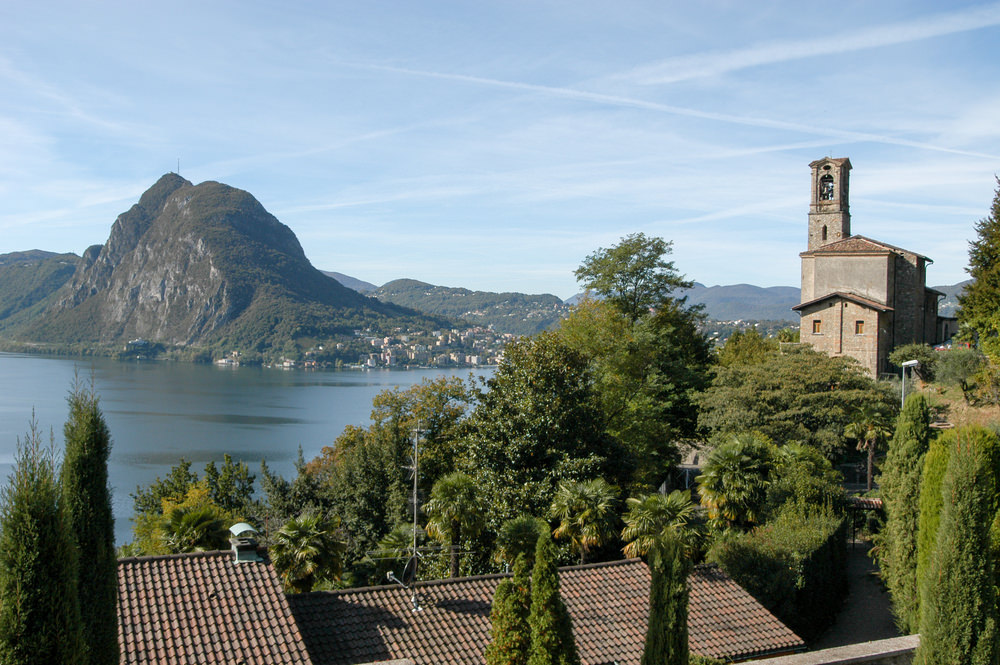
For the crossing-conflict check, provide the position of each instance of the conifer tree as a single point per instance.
(667, 634)
(509, 630)
(39, 608)
(958, 622)
(900, 485)
(91, 522)
(931, 477)
(552, 641)
(979, 304)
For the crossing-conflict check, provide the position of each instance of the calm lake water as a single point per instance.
(160, 412)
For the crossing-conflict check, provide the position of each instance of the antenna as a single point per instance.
(412, 566)
(178, 166)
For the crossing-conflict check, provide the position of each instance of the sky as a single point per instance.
(494, 145)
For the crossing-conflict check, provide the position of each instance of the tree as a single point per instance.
(734, 481)
(87, 499)
(633, 274)
(454, 513)
(653, 519)
(197, 528)
(39, 605)
(931, 477)
(900, 489)
(518, 537)
(587, 513)
(746, 348)
(552, 640)
(538, 423)
(869, 427)
(958, 610)
(927, 357)
(510, 634)
(803, 476)
(306, 550)
(796, 395)
(666, 632)
(979, 303)
(231, 487)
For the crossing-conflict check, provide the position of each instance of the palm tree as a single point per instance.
(195, 529)
(869, 428)
(588, 513)
(454, 513)
(653, 518)
(518, 536)
(733, 484)
(306, 550)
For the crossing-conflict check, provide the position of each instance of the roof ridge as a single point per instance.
(178, 555)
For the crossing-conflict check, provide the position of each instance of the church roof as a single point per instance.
(843, 295)
(859, 245)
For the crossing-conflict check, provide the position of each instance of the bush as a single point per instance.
(926, 355)
(796, 567)
(955, 367)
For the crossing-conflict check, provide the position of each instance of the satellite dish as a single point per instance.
(410, 571)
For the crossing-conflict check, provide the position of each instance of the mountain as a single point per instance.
(358, 285)
(205, 265)
(948, 305)
(745, 301)
(29, 279)
(515, 313)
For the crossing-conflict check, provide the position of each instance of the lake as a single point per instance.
(159, 412)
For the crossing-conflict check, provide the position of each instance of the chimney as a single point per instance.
(244, 543)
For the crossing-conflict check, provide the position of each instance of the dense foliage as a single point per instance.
(39, 607)
(795, 566)
(734, 482)
(510, 633)
(958, 604)
(87, 500)
(552, 641)
(667, 629)
(979, 303)
(900, 489)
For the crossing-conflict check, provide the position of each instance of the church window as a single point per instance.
(816, 327)
(824, 232)
(859, 327)
(826, 188)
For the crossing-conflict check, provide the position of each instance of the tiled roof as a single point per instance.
(204, 608)
(859, 244)
(609, 604)
(844, 295)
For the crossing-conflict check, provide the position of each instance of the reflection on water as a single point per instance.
(160, 412)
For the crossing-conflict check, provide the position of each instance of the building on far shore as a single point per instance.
(861, 297)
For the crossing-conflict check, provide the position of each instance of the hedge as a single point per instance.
(796, 566)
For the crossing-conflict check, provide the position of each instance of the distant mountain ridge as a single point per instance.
(200, 265)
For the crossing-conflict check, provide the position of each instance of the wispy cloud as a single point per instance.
(703, 65)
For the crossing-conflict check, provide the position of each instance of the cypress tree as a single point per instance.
(931, 477)
(509, 629)
(88, 507)
(958, 622)
(552, 641)
(900, 484)
(39, 609)
(667, 634)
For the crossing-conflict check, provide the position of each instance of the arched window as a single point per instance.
(826, 188)
(824, 232)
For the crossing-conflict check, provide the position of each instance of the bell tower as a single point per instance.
(829, 212)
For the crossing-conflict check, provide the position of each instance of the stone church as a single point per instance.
(861, 297)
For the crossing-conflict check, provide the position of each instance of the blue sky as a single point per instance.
(493, 145)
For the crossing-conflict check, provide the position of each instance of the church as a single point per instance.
(861, 297)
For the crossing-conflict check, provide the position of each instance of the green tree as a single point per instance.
(734, 481)
(979, 302)
(869, 427)
(587, 512)
(39, 606)
(454, 514)
(796, 395)
(174, 487)
(746, 348)
(538, 423)
(803, 476)
(958, 610)
(87, 500)
(197, 528)
(931, 477)
(633, 274)
(552, 640)
(510, 633)
(305, 551)
(232, 487)
(655, 518)
(900, 490)
(666, 632)
(923, 353)
(517, 537)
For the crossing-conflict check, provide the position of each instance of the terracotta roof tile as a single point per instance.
(608, 602)
(204, 608)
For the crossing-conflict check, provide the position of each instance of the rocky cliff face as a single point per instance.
(188, 263)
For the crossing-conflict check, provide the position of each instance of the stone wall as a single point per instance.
(895, 651)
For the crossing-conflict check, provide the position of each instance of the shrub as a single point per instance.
(795, 566)
(926, 355)
(956, 366)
